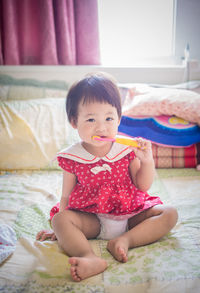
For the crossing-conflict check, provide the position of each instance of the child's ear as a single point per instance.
(73, 123)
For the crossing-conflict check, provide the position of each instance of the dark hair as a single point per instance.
(99, 87)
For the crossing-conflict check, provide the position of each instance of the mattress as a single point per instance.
(170, 265)
(33, 127)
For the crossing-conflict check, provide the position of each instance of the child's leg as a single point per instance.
(145, 228)
(72, 230)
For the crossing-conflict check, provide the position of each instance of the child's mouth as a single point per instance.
(102, 138)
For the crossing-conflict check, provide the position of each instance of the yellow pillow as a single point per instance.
(32, 132)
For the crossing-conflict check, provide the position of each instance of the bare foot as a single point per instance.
(46, 234)
(118, 247)
(85, 267)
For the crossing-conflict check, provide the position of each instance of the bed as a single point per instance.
(33, 128)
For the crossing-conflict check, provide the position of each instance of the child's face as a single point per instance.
(96, 119)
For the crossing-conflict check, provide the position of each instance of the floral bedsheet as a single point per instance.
(169, 265)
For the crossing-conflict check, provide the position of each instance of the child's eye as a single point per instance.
(109, 119)
(91, 120)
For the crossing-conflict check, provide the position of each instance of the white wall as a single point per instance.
(187, 28)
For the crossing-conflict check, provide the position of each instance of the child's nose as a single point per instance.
(100, 126)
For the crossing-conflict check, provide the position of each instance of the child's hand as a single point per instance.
(144, 151)
(46, 234)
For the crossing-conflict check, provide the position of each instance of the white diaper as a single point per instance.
(111, 228)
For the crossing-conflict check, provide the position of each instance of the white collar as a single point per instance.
(77, 153)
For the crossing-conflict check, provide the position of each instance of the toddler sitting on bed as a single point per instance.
(105, 184)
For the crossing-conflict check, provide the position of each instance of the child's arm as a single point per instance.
(142, 168)
(69, 182)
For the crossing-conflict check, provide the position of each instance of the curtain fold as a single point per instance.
(49, 32)
(87, 43)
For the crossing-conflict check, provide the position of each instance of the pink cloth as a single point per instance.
(105, 188)
(49, 32)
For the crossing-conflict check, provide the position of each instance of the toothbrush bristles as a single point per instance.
(100, 138)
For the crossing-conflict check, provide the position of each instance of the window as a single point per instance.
(135, 32)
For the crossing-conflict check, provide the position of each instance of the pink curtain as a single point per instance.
(49, 32)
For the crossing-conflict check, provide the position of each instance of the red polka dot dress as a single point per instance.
(104, 185)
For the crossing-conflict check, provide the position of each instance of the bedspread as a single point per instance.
(170, 265)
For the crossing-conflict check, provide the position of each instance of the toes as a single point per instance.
(122, 255)
(73, 261)
(73, 270)
(43, 237)
(118, 250)
(39, 234)
(53, 238)
(75, 277)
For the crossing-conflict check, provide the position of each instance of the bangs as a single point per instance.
(103, 91)
(95, 95)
